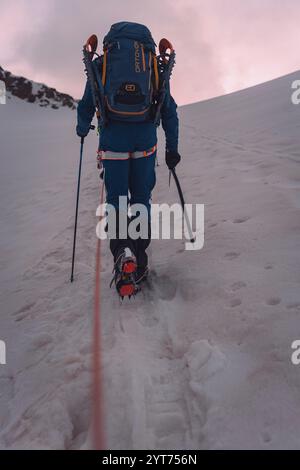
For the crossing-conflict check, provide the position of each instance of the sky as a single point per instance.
(221, 45)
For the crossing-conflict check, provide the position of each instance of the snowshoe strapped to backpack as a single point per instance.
(129, 72)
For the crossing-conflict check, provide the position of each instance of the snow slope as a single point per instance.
(202, 359)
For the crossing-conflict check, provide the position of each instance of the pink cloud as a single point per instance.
(221, 45)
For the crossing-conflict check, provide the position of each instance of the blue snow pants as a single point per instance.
(137, 177)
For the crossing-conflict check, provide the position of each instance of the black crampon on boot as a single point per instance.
(125, 270)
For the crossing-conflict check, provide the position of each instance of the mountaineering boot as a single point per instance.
(125, 270)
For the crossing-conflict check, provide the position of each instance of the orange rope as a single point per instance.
(97, 388)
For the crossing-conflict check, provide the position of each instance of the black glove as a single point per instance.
(172, 159)
(81, 132)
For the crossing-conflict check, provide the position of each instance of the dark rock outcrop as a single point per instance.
(36, 92)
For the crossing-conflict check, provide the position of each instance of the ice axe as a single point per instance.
(187, 221)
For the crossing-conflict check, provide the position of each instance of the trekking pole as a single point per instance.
(187, 221)
(76, 212)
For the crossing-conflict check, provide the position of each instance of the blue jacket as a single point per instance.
(119, 136)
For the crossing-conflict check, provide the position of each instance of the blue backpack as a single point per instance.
(130, 76)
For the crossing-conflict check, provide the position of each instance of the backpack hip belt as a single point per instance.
(110, 155)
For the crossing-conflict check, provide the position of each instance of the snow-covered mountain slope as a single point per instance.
(33, 92)
(203, 360)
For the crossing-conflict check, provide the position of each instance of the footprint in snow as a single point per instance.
(241, 220)
(189, 289)
(238, 285)
(41, 341)
(235, 303)
(273, 301)
(23, 312)
(166, 287)
(268, 266)
(239, 147)
(266, 437)
(232, 255)
(25, 308)
(293, 305)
